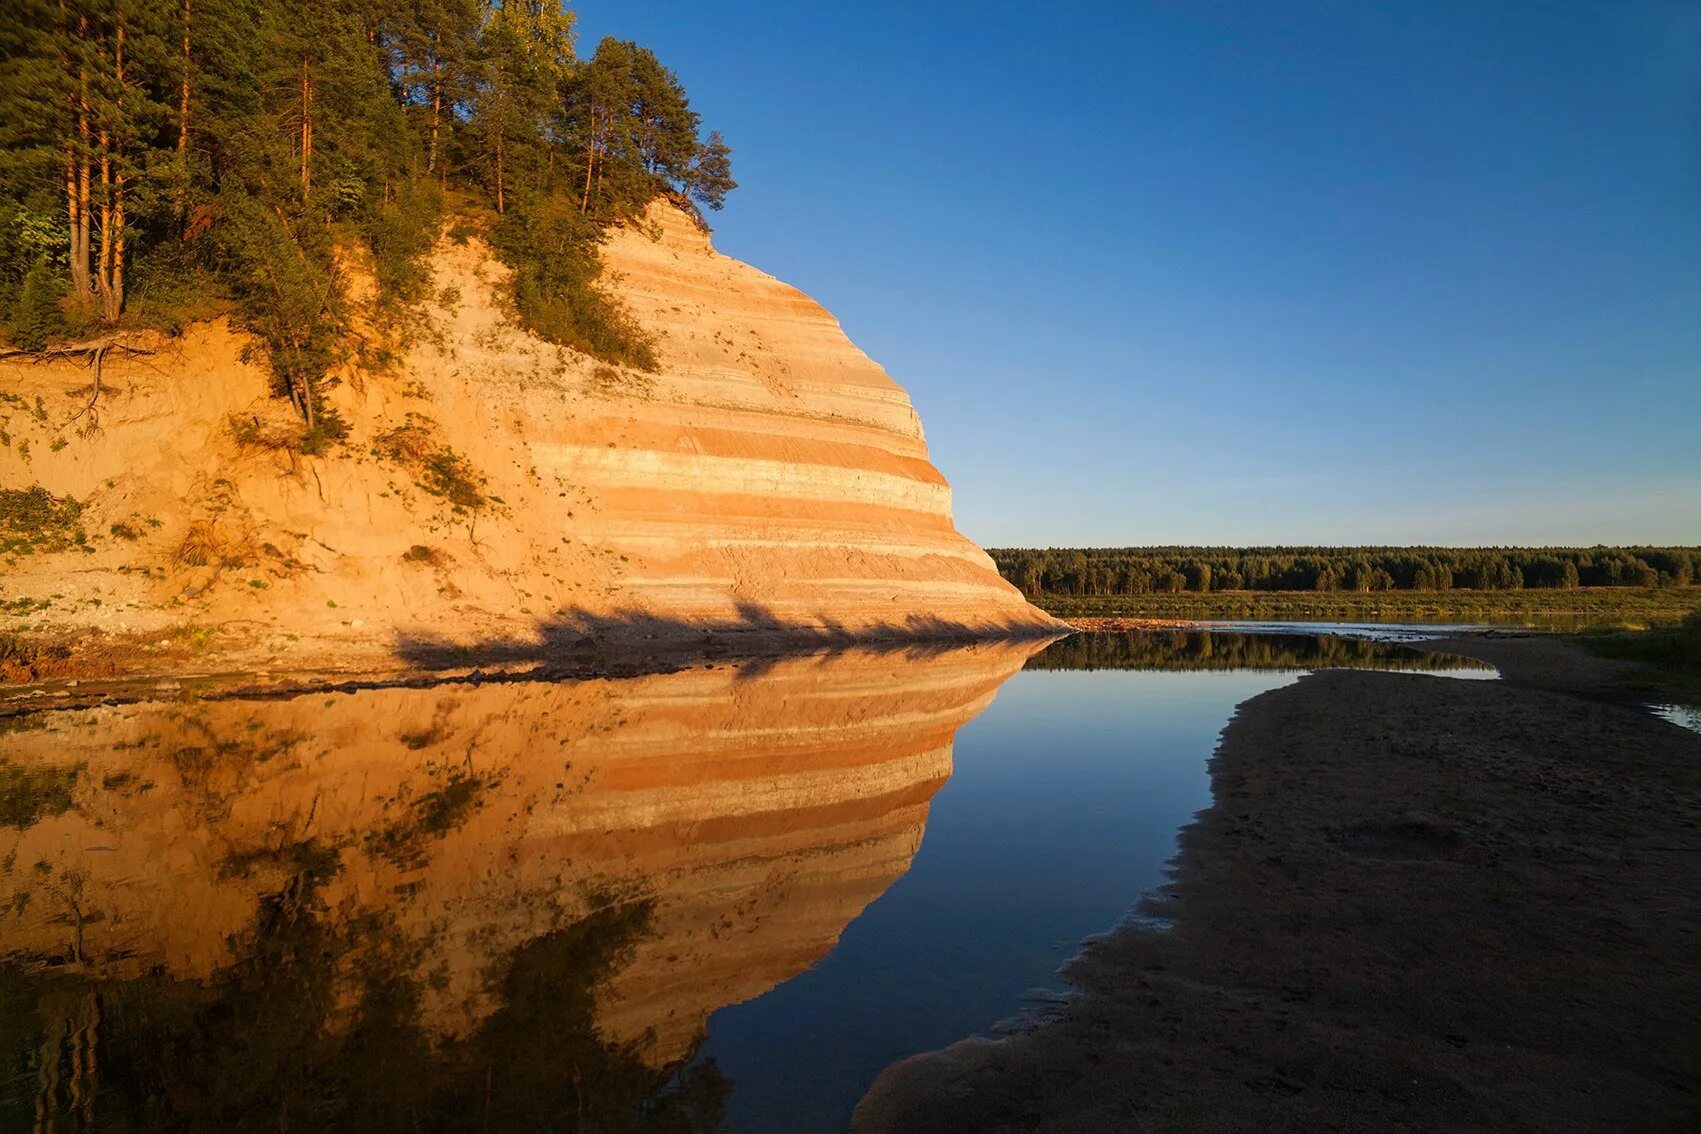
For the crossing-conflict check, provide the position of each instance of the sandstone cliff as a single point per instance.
(498, 489)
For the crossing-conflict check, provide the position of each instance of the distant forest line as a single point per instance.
(1364, 570)
(1574, 608)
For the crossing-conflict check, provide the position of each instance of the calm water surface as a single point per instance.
(718, 899)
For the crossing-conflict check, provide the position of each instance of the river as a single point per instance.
(720, 898)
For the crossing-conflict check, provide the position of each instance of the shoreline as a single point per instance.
(1414, 903)
(1538, 608)
(220, 673)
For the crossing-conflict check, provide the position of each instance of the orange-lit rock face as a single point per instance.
(757, 812)
(768, 474)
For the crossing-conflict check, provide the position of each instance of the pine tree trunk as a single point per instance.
(183, 128)
(103, 267)
(436, 121)
(82, 286)
(81, 240)
(501, 117)
(74, 214)
(112, 198)
(590, 162)
(115, 282)
(306, 132)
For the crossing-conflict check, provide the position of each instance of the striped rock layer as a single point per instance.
(754, 813)
(767, 476)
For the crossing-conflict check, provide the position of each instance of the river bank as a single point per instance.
(1414, 904)
(1577, 608)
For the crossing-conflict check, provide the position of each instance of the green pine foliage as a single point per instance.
(1364, 570)
(166, 160)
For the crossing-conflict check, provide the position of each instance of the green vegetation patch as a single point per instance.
(1665, 647)
(437, 468)
(552, 248)
(33, 519)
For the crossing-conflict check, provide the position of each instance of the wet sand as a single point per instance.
(1415, 904)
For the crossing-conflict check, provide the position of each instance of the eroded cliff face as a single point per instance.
(429, 840)
(499, 489)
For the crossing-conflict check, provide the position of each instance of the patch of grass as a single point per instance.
(125, 531)
(295, 438)
(1664, 647)
(35, 520)
(605, 381)
(308, 859)
(204, 545)
(447, 474)
(251, 433)
(462, 229)
(170, 290)
(192, 635)
(422, 738)
(409, 443)
(437, 468)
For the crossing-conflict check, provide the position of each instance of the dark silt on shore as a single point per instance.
(1415, 904)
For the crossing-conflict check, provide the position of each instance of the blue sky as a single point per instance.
(1274, 271)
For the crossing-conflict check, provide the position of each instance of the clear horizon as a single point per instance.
(1241, 273)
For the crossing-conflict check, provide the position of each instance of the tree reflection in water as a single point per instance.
(317, 1025)
(1182, 650)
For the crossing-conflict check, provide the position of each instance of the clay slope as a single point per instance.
(756, 812)
(498, 489)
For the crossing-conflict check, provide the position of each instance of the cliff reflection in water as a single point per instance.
(494, 906)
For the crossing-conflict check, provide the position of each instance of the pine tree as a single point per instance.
(527, 52)
(710, 177)
(434, 47)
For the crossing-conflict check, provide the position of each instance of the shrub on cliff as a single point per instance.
(553, 250)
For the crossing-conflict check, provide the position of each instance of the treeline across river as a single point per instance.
(1202, 570)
